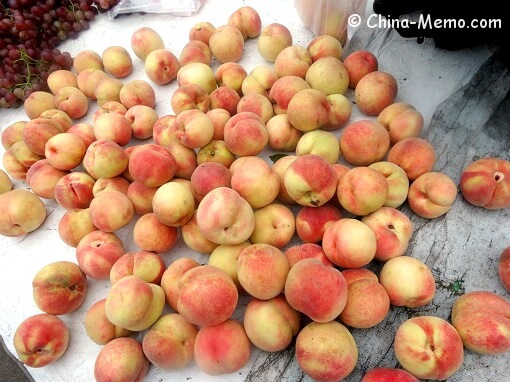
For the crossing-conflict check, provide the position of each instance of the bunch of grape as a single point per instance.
(30, 31)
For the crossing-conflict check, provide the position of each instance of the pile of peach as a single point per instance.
(338, 188)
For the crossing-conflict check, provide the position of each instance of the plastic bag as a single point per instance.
(329, 16)
(173, 7)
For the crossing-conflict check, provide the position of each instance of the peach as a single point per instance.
(402, 120)
(482, 320)
(169, 343)
(142, 119)
(161, 130)
(109, 107)
(105, 159)
(362, 190)
(216, 151)
(116, 183)
(414, 155)
(231, 74)
(37, 132)
(281, 134)
(121, 359)
(171, 277)
(219, 118)
(38, 102)
(393, 231)
(375, 91)
(150, 234)
(364, 142)
(349, 243)
(161, 66)
(398, 183)
(504, 268)
(117, 61)
(152, 165)
(328, 75)
(22, 212)
(302, 184)
(308, 110)
(280, 165)
(197, 73)
(485, 183)
(134, 304)
(272, 324)
(137, 92)
(429, 347)
(194, 238)
(201, 31)
(367, 304)
(113, 127)
(319, 142)
(98, 328)
(85, 131)
(144, 40)
(259, 80)
(293, 60)
(74, 225)
(59, 116)
(173, 204)
(65, 151)
(87, 59)
(61, 78)
(247, 20)
(223, 348)
(225, 97)
(256, 103)
(72, 101)
(193, 128)
(96, 253)
(311, 222)
(146, 265)
(322, 299)
(208, 176)
(340, 112)
(273, 38)
(87, 80)
(185, 159)
(245, 134)
(6, 184)
(359, 63)
(74, 190)
(207, 296)
(40, 340)
(18, 159)
(108, 90)
(41, 177)
(262, 270)
(12, 133)
(109, 219)
(225, 217)
(408, 281)
(388, 374)
(195, 51)
(282, 91)
(334, 359)
(141, 197)
(299, 252)
(432, 194)
(274, 225)
(190, 96)
(225, 257)
(324, 45)
(254, 180)
(226, 44)
(59, 287)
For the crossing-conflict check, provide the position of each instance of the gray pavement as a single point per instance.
(11, 369)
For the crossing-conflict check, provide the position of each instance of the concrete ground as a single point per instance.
(11, 369)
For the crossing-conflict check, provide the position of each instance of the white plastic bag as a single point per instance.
(329, 16)
(173, 7)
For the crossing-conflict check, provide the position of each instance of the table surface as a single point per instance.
(463, 96)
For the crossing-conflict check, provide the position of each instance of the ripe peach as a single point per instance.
(432, 194)
(113, 127)
(388, 374)
(117, 61)
(98, 328)
(247, 20)
(87, 80)
(108, 90)
(216, 151)
(414, 155)
(72, 101)
(337, 356)
(161, 66)
(173, 204)
(259, 80)
(364, 142)
(504, 268)
(6, 184)
(223, 348)
(375, 91)
(18, 159)
(150, 234)
(193, 128)
(206, 295)
(59, 116)
(85, 131)
(273, 38)
(281, 134)
(328, 75)
(65, 151)
(321, 300)
(201, 31)
(170, 342)
(194, 238)
(74, 224)
(61, 78)
(137, 92)
(299, 252)
(116, 183)
(226, 44)
(74, 190)
(293, 60)
(225, 97)
(171, 276)
(408, 281)
(319, 142)
(41, 177)
(219, 118)
(308, 110)
(398, 183)
(340, 112)
(38, 102)
(245, 134)
(359, 63)
(152, 165)
(485, 183)
(190, 96)
(36, 133)
(144, 40)
(402, 120)
(12, 133)
(197, 73)
(208, 176)
(231, 74)
(87, 59)
(282, 91)
(311, 222)
(141, 197)
(111, 210)
(195, 51)
(148, 266)
(274, 224)
(272, 324)
(324, 46)
(96, 253)
(105, 159)
(225, 257)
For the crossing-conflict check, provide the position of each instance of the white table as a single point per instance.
(460, 110)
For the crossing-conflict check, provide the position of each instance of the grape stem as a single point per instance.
(28, 61)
